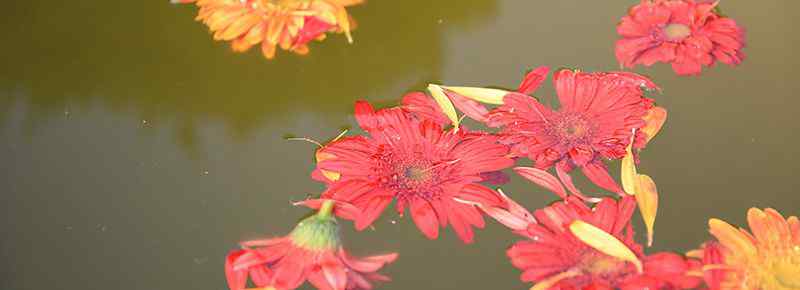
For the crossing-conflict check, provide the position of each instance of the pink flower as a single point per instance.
(419, 165)
(685, 33)
(557, 258)
(598, 114)
(312, 252)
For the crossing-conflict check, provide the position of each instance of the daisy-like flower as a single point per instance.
(312, 252)
(598, 115)
(688, 34)
(419, 165)
(556, 257)
(766, 258)
(290, 24)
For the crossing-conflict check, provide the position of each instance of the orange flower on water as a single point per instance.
(767, 259)
(290, 24)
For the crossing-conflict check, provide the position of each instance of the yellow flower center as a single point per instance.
(677, 31)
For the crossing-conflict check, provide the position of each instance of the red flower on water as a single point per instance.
(419, 165)
(688, 34)
(312, 251)
(599, 112)
(555, 258)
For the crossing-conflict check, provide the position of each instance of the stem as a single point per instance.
(326, 209)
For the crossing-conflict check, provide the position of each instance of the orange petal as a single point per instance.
(647, 198)
(794, 228)
(301, 49)
(268, 49)
(483, 95)
(731, 238)
(654, 120)
(238, 27)
(256, 34)
(444, 102)
(240, 45)
(604, 242)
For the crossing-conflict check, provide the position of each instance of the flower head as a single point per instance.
(563, 254)
(767, 257)
(313, 251)
(417, 164)
(598, 115)
(688, 34)
(290, 24)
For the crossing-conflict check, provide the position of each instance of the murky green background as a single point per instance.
(135, 151)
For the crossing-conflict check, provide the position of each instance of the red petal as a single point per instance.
(597, 173)
(425, 218)
(372, 210)
(472, 109)
(533, 80)
(237, 280)
(543, 179)
(333, 271)
(365, 115)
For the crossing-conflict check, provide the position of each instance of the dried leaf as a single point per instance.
(647, 198)
(604, 242)
(654, 120)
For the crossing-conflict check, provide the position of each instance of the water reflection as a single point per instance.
(168, 69)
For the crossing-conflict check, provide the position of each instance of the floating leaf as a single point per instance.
(604, 242)
(483, 95)
(444, 102)
(647, 198)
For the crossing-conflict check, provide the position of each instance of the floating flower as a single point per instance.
(313, 251)
(419, 165)
(767, 258)
(597, 118)
(688, 34)
(574, 246)
(290, 24)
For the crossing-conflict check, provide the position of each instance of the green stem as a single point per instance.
(326, 209)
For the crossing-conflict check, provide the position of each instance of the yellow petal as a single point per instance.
(731, 238)
(654, 120)
(483, 95)
(604, 242)
(552, 280)
(647, 198)
(628, 174)
(444, 102)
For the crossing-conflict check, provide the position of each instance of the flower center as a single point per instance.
(570, 129)
(677, 31)
(417, 174)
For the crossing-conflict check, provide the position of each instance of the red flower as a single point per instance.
(312, 251)
(419, 165)
(558, 259)
(686, 33)
(599, 112)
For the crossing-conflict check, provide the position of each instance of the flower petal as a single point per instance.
(425, 217)
(732, 238)
(543, 179)
(604, 242)
(483, 95)
(654, 120)
(533, 80)
(647, 198)
(444, 102)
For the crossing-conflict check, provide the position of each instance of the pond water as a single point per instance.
(136, 151)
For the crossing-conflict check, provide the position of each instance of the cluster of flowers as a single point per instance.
(288, 24)
(420, 156)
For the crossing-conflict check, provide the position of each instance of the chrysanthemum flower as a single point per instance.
(555, 257)
(688, 34)
(419, 165)
(313, 251)
(598, 115)
(290, 24)
(767, 259)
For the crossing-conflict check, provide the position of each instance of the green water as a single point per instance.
(136, 151)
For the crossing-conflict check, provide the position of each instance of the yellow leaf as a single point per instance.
(628, 174)
(647, 198)
(483, 95)
(654, 120)
(444, 102)
(604, 242)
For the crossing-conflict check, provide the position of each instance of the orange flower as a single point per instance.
(290, 24)
(767, 259)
